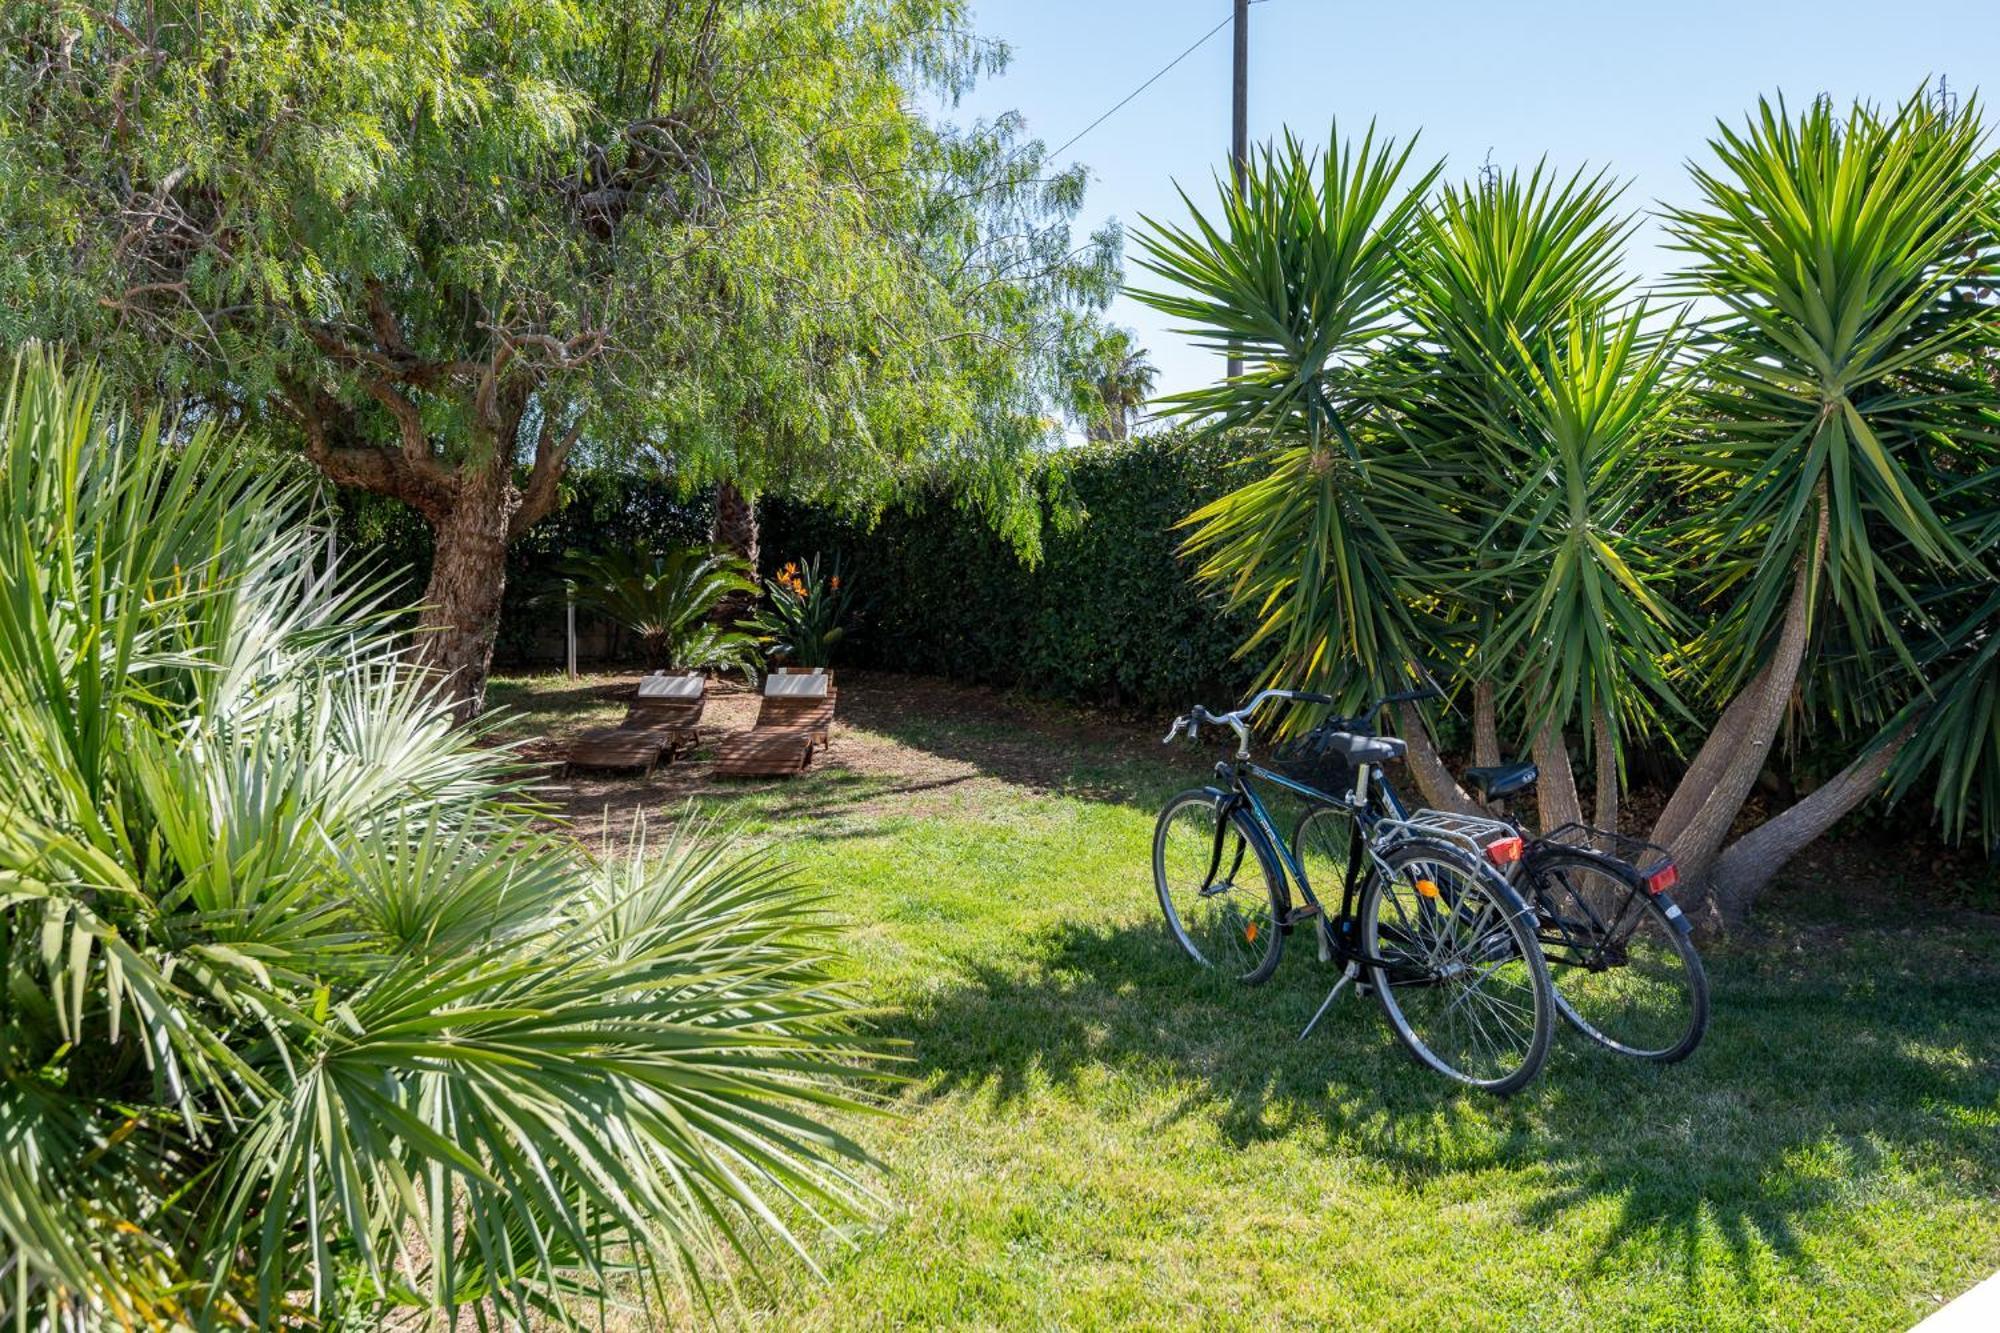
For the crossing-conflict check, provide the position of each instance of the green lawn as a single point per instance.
(1096, 1136)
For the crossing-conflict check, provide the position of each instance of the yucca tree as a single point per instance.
(1499, 271)
(1580, 577)
(1298, 274)
(305, 1016)
(1842, 400)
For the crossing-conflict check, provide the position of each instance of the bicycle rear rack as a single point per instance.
(1636, 852)
(1468, 833)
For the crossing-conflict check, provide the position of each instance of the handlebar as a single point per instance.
(1239, 721)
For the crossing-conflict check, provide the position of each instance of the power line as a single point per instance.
(1157, 76)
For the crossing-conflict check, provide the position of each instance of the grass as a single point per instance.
(1096, 1136)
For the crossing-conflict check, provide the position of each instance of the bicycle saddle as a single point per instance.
(1357, 749)
(1501, 780)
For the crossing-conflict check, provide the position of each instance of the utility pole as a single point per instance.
(1239, 130)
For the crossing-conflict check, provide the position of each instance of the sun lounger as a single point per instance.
(662, 719)
(794, 719)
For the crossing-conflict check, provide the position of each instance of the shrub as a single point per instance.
(305, 1014)
(669, 600)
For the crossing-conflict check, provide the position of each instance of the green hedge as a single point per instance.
(1107, 614)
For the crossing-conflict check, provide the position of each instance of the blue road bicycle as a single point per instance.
(1449, 948)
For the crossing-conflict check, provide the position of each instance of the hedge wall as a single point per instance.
(1106, 615)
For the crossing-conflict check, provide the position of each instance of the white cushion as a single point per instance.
(799, 671)
(671, 687)
(795, 687)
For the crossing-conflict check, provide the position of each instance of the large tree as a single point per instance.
(443, 245)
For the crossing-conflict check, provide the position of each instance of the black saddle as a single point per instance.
(1501, 780)
(1356, 749)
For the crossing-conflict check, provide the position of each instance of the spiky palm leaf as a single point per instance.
(304, 1014)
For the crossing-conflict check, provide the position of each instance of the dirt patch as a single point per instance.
(900, 746)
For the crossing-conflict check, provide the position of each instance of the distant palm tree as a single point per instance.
(1125, 380)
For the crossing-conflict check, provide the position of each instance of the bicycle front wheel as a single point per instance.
(1219, 895)
(1625, 976)
(1457, 967)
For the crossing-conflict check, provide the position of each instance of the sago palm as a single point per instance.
(1841, 392)
(305, 1015)
(670, 600)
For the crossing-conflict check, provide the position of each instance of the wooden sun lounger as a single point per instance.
(782, 741)
(654, 728)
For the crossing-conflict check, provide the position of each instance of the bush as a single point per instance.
(306, 1014)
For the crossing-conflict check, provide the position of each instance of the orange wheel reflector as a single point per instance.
(1250, 932)
(1427, 887)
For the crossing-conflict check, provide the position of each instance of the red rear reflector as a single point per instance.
(1662, 877)
(1503, 851)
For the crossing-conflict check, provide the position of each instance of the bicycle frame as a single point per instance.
(1238, 793)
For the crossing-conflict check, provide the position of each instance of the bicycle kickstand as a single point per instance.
(1353, 971)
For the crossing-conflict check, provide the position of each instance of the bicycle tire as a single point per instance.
(1663, 1022)
(1457, 928)
(1244, 939)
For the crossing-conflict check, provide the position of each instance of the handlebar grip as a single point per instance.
(1417, 695)
(1308, 697)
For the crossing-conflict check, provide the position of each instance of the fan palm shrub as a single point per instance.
(305, 1014)
(1844, 397)
(672, 601)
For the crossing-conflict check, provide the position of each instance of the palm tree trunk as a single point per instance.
(1746, 868)
(734, 529)
(1485, 726)
(1427, 768)
(1604, 813)
(1711, 795)
(1556, 802)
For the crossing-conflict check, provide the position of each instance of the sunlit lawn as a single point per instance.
(1096, 1136)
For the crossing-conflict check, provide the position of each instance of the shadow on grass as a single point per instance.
(1805, 1086)
(1042, 750)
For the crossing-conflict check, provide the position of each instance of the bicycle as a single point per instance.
(1624, 968)
(1448, 949)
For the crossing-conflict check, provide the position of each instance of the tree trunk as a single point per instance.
(1745, 869)
(461, 611)
(1711, 795)
(1556, 802)
(1439, 789)
(734, 527)
(1485, 726)
(1604, 813)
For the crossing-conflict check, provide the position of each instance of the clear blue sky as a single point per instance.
(1635, 85)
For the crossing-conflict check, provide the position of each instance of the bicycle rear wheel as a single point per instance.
(1465, 987)
(1220, 896)
(1625, 975)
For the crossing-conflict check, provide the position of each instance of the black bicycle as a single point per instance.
(1625, 970)
(1450, 950)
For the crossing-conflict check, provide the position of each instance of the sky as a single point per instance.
(1635, 87)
